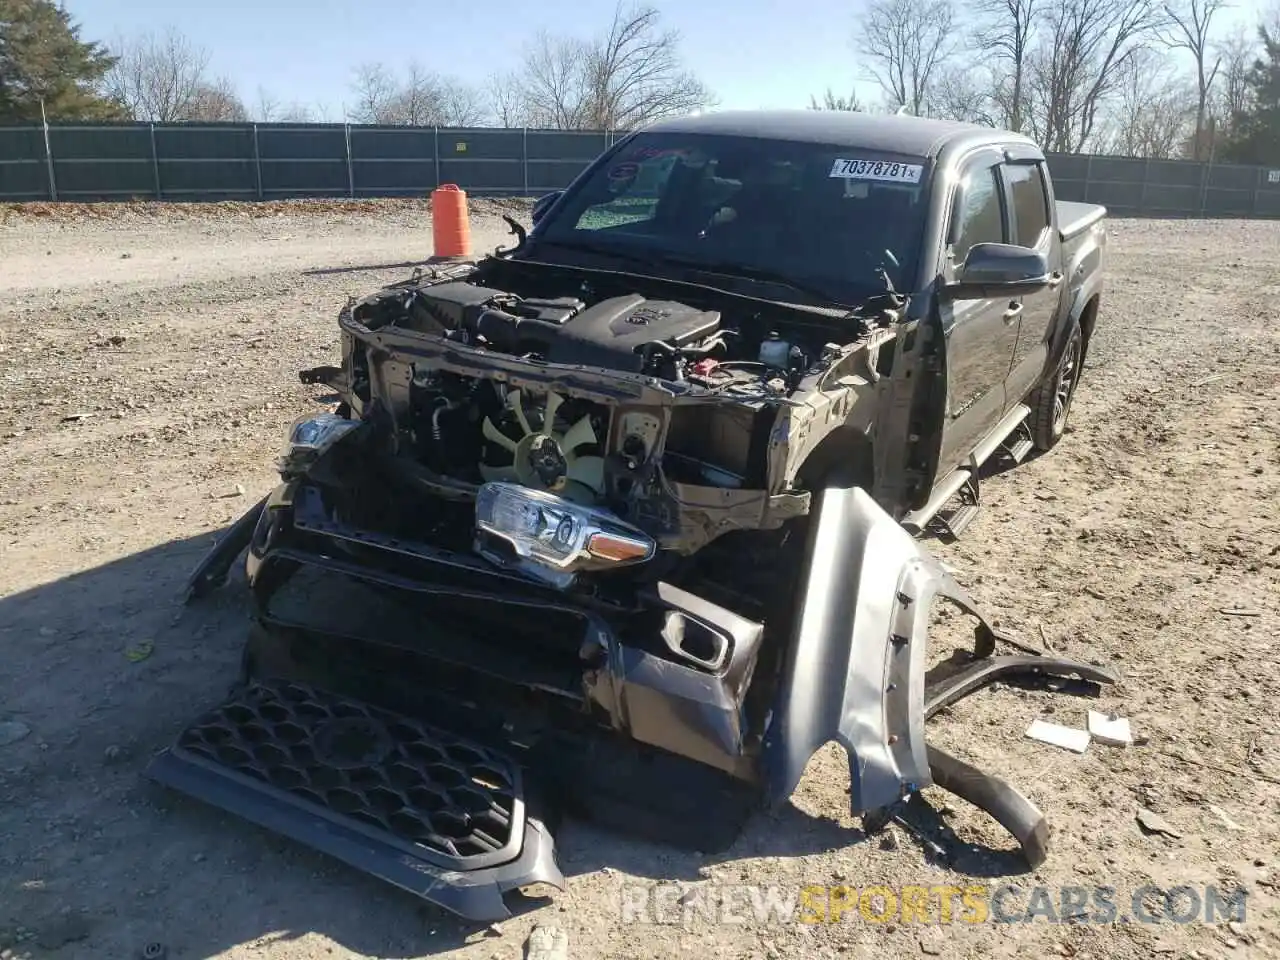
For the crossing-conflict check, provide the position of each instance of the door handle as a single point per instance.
(1014, 311)
(1055, 278)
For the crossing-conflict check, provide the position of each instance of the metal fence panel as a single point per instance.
(23, 173)
(393, 143)
(106, 142)
(211, 143)
(566, 145)
(270, 161)
(296, 142)
(188, 179)
(391, 178)
(21, 144)
(481, 144)
(23, 180)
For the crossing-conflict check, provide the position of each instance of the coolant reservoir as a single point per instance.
(774, 351)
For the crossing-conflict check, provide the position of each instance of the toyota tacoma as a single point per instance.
(622, 521)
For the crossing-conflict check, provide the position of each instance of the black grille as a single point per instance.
(435, 793)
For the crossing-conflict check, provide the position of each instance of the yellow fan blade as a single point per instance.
(515, 400)
(497, 436)
(579, 435)
(588, 471)
(496, 474)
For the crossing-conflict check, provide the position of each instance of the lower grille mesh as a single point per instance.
(427, 788)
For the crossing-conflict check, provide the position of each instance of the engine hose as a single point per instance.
(442, 406)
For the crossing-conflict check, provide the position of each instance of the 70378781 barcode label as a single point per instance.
(877, 170)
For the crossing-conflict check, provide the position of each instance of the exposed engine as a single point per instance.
(629, 333)
(638, 426)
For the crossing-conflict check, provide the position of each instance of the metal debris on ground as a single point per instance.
(547, 943)
(1055, 734)
(1152, 822)
(1239, 612)
(1110, 729)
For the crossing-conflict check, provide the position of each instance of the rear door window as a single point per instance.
(1030, 203)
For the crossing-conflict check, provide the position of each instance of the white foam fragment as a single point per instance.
(1055, 734)
(1111, 730)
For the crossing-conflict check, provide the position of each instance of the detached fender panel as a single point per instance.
(856, 670)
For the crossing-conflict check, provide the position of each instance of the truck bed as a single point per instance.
(1075, 218)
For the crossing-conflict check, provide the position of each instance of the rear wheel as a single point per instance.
(1052, 399)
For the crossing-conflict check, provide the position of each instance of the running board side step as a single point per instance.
(965, 480)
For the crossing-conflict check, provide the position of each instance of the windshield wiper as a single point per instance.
(739, 271)
(726, 268)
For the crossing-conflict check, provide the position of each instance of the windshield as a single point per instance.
(767, 211)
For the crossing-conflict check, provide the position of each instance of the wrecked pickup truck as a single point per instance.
(619, 521)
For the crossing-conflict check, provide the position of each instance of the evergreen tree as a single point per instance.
(1255, 136)
(43, 58)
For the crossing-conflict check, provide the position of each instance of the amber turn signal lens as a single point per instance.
(607, 546)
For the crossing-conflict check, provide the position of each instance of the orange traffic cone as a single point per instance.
(450, 225)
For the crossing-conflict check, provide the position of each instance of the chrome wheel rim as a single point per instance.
(1066, 384)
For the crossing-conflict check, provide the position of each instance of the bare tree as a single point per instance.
(375, 92)
(1081, 49)
(833, 101)
(267, 107)
(635, 73)
(158, 78)
(216, 102)
(556, 87)
(905, 43)
(1235, 54)
(1005, 30)
(630, 76)
(507, 101)
(420, 99)
(1154, 112)
(1188, 29)
(970, 95)
(271, 110)
(461, 104)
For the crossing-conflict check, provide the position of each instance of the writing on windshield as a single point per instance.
(830, 217)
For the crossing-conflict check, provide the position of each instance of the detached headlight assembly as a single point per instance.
(309, 438)
(551, 538)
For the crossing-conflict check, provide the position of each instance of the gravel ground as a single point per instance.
(148, 354)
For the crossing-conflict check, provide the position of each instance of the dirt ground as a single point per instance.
(148, 361)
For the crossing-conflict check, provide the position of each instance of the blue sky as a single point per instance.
(752, 53)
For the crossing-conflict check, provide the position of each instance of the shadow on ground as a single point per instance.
(104, 668)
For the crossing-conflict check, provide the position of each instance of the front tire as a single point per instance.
(1052, 399)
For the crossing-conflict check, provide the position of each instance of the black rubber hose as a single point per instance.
(1010, 808)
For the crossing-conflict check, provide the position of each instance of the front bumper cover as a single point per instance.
(854, 674)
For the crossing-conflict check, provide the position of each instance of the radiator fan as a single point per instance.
(543, 459)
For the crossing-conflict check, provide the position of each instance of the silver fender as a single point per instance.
(856, 667)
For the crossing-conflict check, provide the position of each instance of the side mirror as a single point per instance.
(544, 204)
(999, 270)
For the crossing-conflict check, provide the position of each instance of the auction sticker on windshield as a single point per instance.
(877, 170)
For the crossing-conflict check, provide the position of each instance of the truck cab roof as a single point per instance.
(913, 136)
